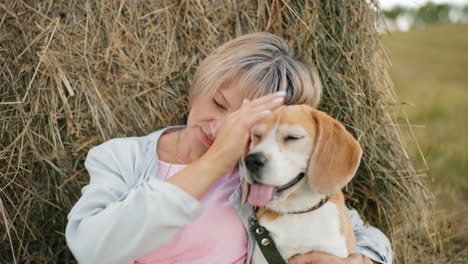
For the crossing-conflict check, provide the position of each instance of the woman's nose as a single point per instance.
(215, 125)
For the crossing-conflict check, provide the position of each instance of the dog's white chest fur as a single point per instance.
(293, 234)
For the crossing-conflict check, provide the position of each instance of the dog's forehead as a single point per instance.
(288, 117)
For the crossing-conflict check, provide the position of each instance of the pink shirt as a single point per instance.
(217, 236)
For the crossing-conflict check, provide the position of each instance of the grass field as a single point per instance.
(430, 73)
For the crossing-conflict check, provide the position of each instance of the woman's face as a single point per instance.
(207, 115)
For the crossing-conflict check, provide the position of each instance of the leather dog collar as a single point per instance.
(315, 207)
(264, 240)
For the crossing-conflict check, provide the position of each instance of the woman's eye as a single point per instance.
(218, 104)
(291, 138)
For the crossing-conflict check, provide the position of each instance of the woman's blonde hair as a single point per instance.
(261, 63)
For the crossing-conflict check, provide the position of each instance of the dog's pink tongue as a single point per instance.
(260, 194)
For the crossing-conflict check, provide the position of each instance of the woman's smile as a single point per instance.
(205, 138)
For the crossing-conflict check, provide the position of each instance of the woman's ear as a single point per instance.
(336, 155)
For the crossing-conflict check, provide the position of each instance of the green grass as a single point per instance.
(430, 72)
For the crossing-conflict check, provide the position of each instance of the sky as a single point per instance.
(415, 3)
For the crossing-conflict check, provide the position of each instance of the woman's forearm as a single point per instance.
(197, 178)
(359, 259)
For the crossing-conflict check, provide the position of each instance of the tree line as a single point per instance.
(429, 13)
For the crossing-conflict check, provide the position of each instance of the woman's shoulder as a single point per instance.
(130, 145)
(123, 157)
(125, 152)
(125, 145)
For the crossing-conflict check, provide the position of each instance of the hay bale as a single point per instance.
(77, 73)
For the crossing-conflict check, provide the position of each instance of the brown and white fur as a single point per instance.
(300, 139)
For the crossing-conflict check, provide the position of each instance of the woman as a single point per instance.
(174, 196)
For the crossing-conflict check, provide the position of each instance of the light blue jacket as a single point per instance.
(125, 212)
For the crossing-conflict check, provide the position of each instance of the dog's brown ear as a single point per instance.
(245, 192)
(335, 157)
(243, 169)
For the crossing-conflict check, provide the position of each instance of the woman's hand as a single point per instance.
(234, 133)
(317, 257)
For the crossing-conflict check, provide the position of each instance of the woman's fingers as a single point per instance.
(268, 102)
(259, 117)
(267, 98)
(271, 105)
(252, 112)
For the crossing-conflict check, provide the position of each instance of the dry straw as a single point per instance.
(76, 73)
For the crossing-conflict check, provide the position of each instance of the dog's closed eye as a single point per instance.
(289, 138)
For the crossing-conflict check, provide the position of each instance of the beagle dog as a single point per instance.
(294, 167)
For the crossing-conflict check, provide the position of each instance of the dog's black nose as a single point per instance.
(255, 162)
